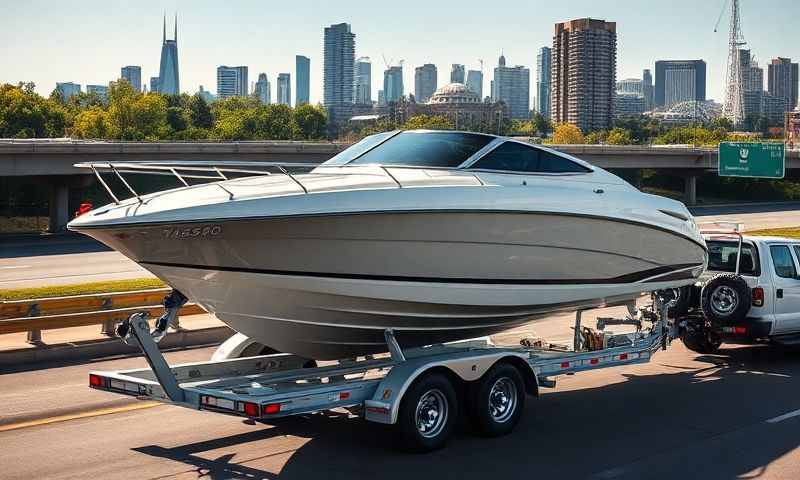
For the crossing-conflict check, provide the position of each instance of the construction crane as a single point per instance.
(721, 14)
(480, 60)
(733, 108)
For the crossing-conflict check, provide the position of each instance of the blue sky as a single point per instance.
(88, 41)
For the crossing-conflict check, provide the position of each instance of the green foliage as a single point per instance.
(526, 128)
(428, 122)
(200, 112)
(596, 138)
(619, 136)
(24, 114)
(542, 124)
(721, 122)
(568, 134)
(177, 119)
(91, 123)
(311, 121)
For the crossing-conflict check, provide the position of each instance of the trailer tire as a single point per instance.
(700, 340)
(428, 413)
(497, 400)
(725, 299)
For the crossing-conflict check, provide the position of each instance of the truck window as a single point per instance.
(722, 257)
(783, 261)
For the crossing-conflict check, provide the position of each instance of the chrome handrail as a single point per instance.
(194, 170)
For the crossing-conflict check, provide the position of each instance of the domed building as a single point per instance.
(461, 105)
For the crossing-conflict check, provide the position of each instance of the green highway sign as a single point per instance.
(754, 160)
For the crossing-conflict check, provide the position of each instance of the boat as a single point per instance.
(434, 235)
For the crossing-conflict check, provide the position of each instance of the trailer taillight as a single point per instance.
(95, 380)
(251, 409)
(272, 408)
(758, 297)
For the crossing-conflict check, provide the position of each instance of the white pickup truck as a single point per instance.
(749, 293)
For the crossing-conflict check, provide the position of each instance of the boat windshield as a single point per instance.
(722, 257)
(357, 149)
(425, 149)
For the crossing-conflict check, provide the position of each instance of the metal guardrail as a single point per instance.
(106, 309)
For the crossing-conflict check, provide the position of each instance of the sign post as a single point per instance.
(752, 160)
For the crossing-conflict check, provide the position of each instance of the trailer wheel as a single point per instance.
(428, 413)
(725, 299)
(699, 339)
(498, 400)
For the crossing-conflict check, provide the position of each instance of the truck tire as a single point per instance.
(497, 400)
(699, 339)
(428, 413)
(725, 299)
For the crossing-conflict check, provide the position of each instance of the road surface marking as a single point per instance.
(75, 416)
(785, 416)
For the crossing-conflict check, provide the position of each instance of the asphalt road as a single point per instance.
(683, 415)
(42, 261)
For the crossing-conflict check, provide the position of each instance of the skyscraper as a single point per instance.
(231, 81)
(630, 85)
(424, 82)
(543, 69)
(302, 72)
(393, 83)
(512, 85)
(168, 79)
(68, 89)
(475, 82)
(338, 70)
(284, 93)
(782, 80)
(457, 73)
(680, 81)
(154, 85)
(99, 90)
(584, 73)
(647, 89)
(263, 90)
(362, 87)
(133, 74)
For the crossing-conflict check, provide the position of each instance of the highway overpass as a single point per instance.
(53, 160)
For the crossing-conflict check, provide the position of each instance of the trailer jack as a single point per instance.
(172, 305)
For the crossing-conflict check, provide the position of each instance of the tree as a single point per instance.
(275, 122)
(91, 123)
(25, 114)
(568, 134)
(543, 124)
(136, 116)
(176, 119)
(523, 127)
(200, 112)
(619, 136)
(596, 138)
(721, 122)
(311, 121)
(428, 122)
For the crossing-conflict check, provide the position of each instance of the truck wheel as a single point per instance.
(683, 302)
(700, 340)
(725, 299)
(428, 413)
(498, 400)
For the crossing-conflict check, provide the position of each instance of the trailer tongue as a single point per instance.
(420, 389)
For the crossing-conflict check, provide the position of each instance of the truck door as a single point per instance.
(787, 289)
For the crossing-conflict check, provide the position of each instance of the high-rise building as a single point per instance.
(630, 85)
(543, 71)
(774, 108)
(512, 85)
(231, 81)
(628, 104)
(425, 82)
(99, 90)
(133, 74)
(752, 74)
(457, 73)
(680, 81)
(583, 76)
(207, 96)
(381, 98)
(263, 90)
(648, 91)
(475, 82)
(168, 79)
(338, 71)
(284, 93)
(154, 84)
(68, 89)
(362, 88)
(302, 72)
(782, 81)
(393, 83)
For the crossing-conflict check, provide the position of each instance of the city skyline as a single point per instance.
(283, 34)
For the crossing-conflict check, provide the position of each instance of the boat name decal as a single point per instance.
(192, 232)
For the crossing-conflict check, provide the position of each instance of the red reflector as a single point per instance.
(250, 409)
(272, 408)
(95, 380)
(624, 356)
(344, 395)
(378, 410)
(758, 297)
(564, 364)
(594, 361)
(740, 330)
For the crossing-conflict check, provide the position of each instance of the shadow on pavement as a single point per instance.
(702, 421)
(15, 246)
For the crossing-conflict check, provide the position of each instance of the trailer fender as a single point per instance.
(385, 404)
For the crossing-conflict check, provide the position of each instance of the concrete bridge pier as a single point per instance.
(58, 201)
(690, 190)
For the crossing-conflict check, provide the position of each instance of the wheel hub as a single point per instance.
(502, 399)
(724, 300)
(431, 413)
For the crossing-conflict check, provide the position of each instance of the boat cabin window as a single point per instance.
(357, 149)
(516, 157)
(722, 257)
(425, 149)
